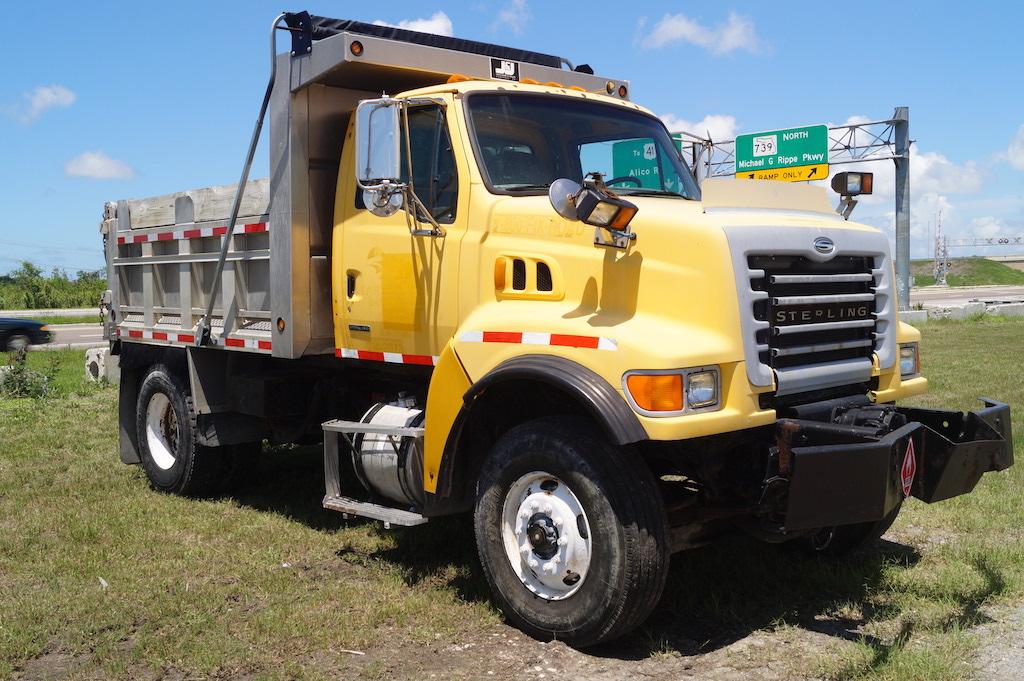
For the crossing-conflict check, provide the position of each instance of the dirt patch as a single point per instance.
(504, 654)
(53, 664)
(1001, 654)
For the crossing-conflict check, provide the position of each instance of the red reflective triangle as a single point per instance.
(909, 468)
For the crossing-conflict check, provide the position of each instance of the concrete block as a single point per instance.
(914, 316)
(965, 311)
(101, 365)
(1007, 310)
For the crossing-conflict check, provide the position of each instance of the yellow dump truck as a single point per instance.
(450, 281)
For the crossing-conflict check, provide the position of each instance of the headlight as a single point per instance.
(702, 389)
(670, 393)
(910, 362)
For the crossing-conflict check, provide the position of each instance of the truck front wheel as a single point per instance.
(844, 539)
(571, 533)
(168, 442)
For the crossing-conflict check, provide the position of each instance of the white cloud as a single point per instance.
(41, 98)
(737, 33)
(933, 172)
(1015, 152)
(721, 127)
(514, 16)
(98, 166)
(438, 23)
(988, 226)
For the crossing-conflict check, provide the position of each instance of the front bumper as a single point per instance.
(837, 474)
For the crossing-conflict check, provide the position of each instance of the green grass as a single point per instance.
(969, 272)
(55, 320)
(200, 587)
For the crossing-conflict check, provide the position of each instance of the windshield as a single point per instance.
(525, 142)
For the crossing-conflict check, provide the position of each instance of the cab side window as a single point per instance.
(434, 176)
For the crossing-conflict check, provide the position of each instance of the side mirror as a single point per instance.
(378, 154)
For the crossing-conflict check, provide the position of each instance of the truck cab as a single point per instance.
(500, 290)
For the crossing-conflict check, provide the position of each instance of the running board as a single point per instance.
(364, 509)
(347, 506)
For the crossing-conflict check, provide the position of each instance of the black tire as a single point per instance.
(627, 526)
(839, 541)
(17, 341)
(193, 470)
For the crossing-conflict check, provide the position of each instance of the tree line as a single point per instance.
(28, 288)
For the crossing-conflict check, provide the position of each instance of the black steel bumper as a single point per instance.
(840, 474)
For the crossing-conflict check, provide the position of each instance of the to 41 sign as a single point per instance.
(791, 155)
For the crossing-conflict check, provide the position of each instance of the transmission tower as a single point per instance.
(941, 267)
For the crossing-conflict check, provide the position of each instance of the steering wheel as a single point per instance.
(624, 178)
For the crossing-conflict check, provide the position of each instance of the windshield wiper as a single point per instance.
(524, 187)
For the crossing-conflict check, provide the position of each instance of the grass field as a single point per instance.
(59, 320)
(969, 272)
(102, 577)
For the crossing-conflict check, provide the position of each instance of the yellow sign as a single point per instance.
(818, 171)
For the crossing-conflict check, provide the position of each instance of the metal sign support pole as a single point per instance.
(901, 125)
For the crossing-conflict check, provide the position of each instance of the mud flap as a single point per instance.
(843, 474)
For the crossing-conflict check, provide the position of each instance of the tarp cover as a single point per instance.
(324, 27)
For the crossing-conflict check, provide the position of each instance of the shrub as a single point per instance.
(17, 380)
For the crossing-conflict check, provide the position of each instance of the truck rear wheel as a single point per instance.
(168, 442)
(571, 533)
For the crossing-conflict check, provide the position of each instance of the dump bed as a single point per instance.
(275, 288)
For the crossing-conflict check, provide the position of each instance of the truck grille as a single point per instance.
(813, 313)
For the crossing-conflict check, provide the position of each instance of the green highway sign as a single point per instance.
(639, 158)
(794, 154)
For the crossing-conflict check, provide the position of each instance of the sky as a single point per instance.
(114, 100)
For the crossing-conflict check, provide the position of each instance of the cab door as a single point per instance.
(395, 290)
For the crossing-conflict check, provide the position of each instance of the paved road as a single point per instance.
(948, 295)
(74, 335)
(62, 312)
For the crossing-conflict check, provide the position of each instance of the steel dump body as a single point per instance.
(275, 289)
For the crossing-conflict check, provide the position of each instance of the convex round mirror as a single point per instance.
(383, 202)
(561, 194)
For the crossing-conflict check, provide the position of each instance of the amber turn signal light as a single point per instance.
(656, 392)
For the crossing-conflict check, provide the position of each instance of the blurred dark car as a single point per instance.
(19, 333)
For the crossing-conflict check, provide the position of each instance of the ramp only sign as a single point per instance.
(791, 155)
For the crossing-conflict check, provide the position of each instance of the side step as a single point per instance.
(332, 476)
(389, 516)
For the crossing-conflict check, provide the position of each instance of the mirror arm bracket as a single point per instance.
(435, 227)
